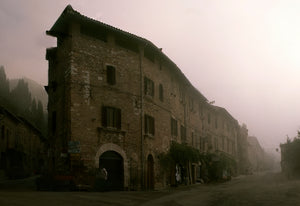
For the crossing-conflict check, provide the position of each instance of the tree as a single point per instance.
(4, 84)
(21, 98)
(290, 152)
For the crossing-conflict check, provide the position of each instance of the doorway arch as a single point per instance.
(116, 148)
(114, 165)
(150, 173)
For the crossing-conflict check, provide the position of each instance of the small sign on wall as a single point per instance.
(73, 147)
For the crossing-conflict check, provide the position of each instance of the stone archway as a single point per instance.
(112, 163)
(114, 148)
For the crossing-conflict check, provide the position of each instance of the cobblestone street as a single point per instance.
(263, 189)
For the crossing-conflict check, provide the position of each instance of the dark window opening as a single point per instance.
(161, 92)
(148, 87)
(174, 130)
(149, 125)
(111, 117)
(111, 75)
(208, 118)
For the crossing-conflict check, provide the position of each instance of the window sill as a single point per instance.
(150, 136)
(110, 130)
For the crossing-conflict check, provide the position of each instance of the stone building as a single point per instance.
(243, 157)
(116, 101)
(22, 146)
(256, 155)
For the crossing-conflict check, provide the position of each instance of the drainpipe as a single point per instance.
(141, 52)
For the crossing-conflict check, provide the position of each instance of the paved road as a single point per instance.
(262, 190)
(266, 189)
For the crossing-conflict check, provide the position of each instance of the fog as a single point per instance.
(244, 55)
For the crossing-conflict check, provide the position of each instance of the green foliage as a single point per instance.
(166, 161)
(291, 155)
(183, 153)
(4, 84)
(179, 153)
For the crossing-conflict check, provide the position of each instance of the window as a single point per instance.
(208, 118)
(216, 123)
(111, 75)
(161, 92)
(149, 125)
(111, 117)
(174, 131)
(148, 87)
(183, 133)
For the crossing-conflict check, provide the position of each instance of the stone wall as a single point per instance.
(22, 147)
(79, 69)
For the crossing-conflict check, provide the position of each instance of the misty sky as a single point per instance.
(242, 54)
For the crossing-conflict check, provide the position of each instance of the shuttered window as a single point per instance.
(111, 117)
(148, 87)
(149, 125)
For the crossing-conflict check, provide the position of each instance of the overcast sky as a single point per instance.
(242, 54)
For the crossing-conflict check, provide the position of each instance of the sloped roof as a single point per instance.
(19, 119)
(69, 14)
(223, 110)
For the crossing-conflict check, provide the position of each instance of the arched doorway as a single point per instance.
(150, 172)
(114, 165)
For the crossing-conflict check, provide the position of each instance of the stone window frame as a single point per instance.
(111, 117)
(149, 125)
(148, 87)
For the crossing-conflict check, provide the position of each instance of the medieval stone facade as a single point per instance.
(22, 146)
(116, 101)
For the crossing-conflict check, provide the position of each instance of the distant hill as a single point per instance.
(37, 90)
